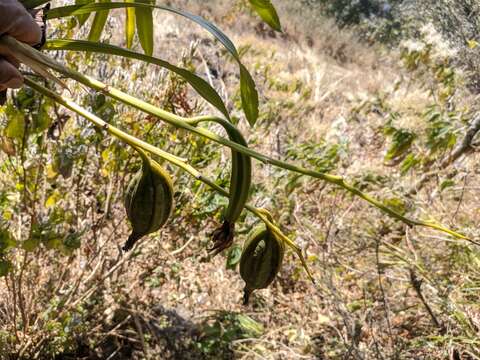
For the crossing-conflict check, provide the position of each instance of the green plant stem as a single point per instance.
(137, 143)
(182, 123)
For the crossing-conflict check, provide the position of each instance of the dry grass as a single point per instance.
(312, 82)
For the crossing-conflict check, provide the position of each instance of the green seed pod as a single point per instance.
(148, 201)
(261, 260)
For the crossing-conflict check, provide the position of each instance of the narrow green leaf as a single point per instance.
(144, 19)
(82, 19)
(249, 93)
(72, 10)
(6, 241)
(129, 25)
(98, 24)
(267, 12)
(5, 267)
(201, 86)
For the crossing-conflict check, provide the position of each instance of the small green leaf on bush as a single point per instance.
(6, 240)
(16, 126)
(53, 242)
(63, 163)
(249, 327)
(31, 244)
(267, 12)
(402, 140)
(410, 162)
(72, 241)
(41, 119)
(446, 184)
(26, 100)
(144, 19)
(98, 24)
(5, 267)
(233, 258)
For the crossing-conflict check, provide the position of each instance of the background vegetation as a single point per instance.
(381, 93)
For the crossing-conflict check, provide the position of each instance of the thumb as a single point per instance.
(17, 22)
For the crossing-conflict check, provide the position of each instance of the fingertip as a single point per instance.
(22, 25)
(29, 32)
(10, 77)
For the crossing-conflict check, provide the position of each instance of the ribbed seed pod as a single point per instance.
(148, 201)
(261, 260)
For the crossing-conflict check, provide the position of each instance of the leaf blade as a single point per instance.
(267, 12)
(129, 25)
(249, 94)
(200, 85)
(144, 20)
(99, 22)
(82, 19)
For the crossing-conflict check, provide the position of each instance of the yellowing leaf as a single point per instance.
(472, 44)
(7, 146)
(144, 19)
(7, 215)
(16, 126)
(52, 199)
(322, 319)
(51, 173)
(129, 24)
(106, 154)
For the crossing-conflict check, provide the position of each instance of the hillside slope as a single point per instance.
(386, 118)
